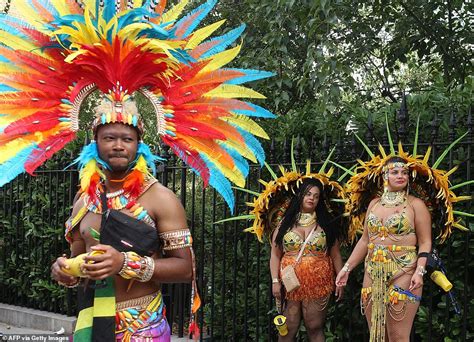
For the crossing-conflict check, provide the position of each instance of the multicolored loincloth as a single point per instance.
(142, 319)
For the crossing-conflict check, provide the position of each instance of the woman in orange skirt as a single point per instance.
(307, 217)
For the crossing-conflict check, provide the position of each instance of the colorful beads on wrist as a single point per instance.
(137, 267)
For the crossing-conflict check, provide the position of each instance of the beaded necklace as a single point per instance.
(119, 200)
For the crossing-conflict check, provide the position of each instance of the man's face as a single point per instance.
(117, 144)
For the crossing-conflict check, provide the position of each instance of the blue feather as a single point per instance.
(205, 8)
(88, 153)
(11, 168)
(5, 88)
(253, 144)
(226, 40)
(109, 10)
(4, 60)
(6, 25)
(257, 112)
(132, 16)
(150, 158)
(219, 182)
(240, 162)
(250, 75)
(182, 56)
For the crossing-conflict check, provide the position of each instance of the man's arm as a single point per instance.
(171, 221)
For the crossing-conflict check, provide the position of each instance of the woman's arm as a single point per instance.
(335, 254)
(275, 259)
(423, 235)
(358, 254)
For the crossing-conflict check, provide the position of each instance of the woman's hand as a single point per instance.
(339, 293)
(342, 277)
(103, 265)
(59, 275)
(276, 290)
(416, 282)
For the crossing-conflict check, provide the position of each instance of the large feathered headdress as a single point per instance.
(269, 206)
(427, 182)
(59, 52)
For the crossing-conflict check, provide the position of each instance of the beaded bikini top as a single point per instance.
(292, 242)
(395, 225)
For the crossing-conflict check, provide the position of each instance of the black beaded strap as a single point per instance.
(423, 255)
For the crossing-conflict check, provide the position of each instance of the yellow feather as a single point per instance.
(400, 148)
(61, 7)
(247, 124)
(10, 149)
(137, 3)
(142, 166)
(231, 91)
(382, 151)
(451, 171)
(308, 166)
(130, 31)
(241, 149)
(234, 175)
(89, 3)
(202, 34)
(8, 68)
(174, 12)
(221, 59)
(29, 14)
(17, 43)
(460, 226)
(427, 155)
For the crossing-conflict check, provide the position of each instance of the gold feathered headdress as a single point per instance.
(427, 182)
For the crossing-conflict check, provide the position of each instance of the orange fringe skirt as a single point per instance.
(315, 274)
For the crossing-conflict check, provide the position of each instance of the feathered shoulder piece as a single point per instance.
(427, 182)
(269, 206)
(54, 53)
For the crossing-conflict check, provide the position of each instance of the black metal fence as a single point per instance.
(232, 266)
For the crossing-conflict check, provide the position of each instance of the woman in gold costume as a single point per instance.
(307, 217)
(395, 224)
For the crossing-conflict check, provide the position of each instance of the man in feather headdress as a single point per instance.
(131, 190)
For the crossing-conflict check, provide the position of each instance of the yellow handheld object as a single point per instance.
(76, 263)
(440, 279)
(280, 323)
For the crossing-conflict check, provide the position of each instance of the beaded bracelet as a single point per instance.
(421, 270)
(345, 268)
(137, 267)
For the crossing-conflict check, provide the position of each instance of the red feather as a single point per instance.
(38, 122)
(133, 183)
(204, 47)
(197, 129)
(46, 149)
(191, 158)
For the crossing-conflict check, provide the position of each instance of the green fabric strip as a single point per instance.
(83, 335)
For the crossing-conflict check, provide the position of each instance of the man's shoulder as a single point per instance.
(156, 189)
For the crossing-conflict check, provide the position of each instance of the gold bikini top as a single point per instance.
(395, 225)
(292, 242)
